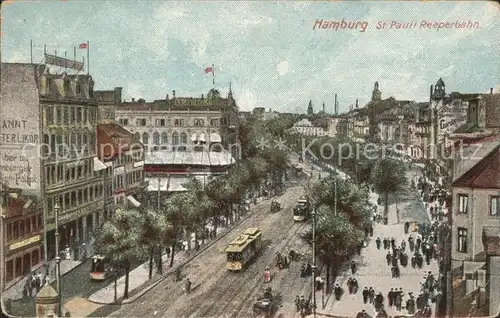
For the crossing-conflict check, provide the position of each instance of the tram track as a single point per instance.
(230, 286)
(235, 294)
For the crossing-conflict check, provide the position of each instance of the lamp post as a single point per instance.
(58, 261)
(313, 214)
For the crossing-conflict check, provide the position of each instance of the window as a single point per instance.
(223, 121)
(78, 89)
(198, 122)
(156, 138)
(160, 122)
(79, 115)
(164, 138)
(463, 201)
(140, 122)
(462, 240)
(123, 121)
(494, 205)
(441, 124)
(49, 115)
(184, 138)
(178, 122)
(145, 138)
(175, 139)
(214, 122)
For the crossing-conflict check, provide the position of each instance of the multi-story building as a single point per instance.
(22, 235)
(334, 126)
(183, 123)
(123, 156)
(394, 124)
(305, 127)
(107, 102)
(475, 208)
(48, 132)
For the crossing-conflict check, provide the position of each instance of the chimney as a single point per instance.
(117, 95)
(336, 106)
(173, 94)
(167, 97)
(323, 107)
(133, 100)
(357, 105)
(491, 90)
(431, 90)
(202, 96)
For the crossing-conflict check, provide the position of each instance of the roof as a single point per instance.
(118, 137)
(191, 158)
(484, 175)
(242, 240)
(172, 183)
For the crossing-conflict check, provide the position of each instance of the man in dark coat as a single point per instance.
(377, 241)
(366, 294)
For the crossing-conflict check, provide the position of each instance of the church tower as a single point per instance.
(439, 90)
(376, 94)
(310, 110)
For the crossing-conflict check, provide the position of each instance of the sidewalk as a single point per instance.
(373, 271)
(15, 292)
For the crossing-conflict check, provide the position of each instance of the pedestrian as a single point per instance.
(338, 291)
(385, 243)
(377, 241)
(393, 243)
(302, 304)
(350, 286)
(366, 294)
(371, 294)
(390, 297)
(398, 301)
(388, 257)
(361, 314)
(38, 282)
(353, 267)
(297, 303)
(371, 230)
(355, 286)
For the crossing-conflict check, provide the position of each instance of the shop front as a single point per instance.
(23, 257)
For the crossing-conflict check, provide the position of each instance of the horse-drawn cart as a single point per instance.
(265, 306)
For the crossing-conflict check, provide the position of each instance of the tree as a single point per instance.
(176, 207)
(336, 238)
(352, 200)
(119, 240)
(153, 227)
(388, 177)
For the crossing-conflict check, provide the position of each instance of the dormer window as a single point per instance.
(49, 84)
(78, 89)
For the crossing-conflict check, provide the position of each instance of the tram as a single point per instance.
(99, 269)
(301, 210)
(243, 248)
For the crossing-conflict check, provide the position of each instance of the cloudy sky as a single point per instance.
(269, 51)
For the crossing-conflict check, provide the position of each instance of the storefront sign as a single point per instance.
(138, 164)
(89, 209)
(119, 170)
(25, 242)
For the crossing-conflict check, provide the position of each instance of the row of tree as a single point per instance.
(133, 235)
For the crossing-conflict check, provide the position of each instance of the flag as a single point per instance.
(83, 46)
(209, 70)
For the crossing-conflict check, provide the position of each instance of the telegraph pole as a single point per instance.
(313, 283)
(58, 262)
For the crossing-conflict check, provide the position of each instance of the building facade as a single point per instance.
(123, 155)
(23, 235)
(306, 128)
(107, 102)
(475, 207)
(51, 140)
(183, 123)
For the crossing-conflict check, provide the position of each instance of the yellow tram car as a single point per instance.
(243, 248)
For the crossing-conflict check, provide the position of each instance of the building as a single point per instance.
(107, 102)
(475, 208)
(167, 172)
(334, 126)
(306, 128)
(491, 242)
(394, 124)
(48, 142)
(123, 155)
(23, 235)
(183, 123)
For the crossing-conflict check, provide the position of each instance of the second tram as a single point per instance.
(243, 248)
(301, 210)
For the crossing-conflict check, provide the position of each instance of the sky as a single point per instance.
(268, 51)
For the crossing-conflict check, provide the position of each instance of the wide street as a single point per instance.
(215, 290)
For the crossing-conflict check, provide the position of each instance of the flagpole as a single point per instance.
(31, 51)
(213, 75)
(88, 58)
(65, 63)
(74, 55)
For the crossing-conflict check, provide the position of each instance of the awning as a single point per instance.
(175, 184)
(98, 164)
(27, 204)
(194, 137)
(472, 267)
(134, 201)
(202, 137)
(215, 137)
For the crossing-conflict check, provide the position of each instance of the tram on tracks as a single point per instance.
(301, 210)
(99, 269)
(243, 249)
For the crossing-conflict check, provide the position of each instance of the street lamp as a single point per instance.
(58, 261)
(313, 214)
